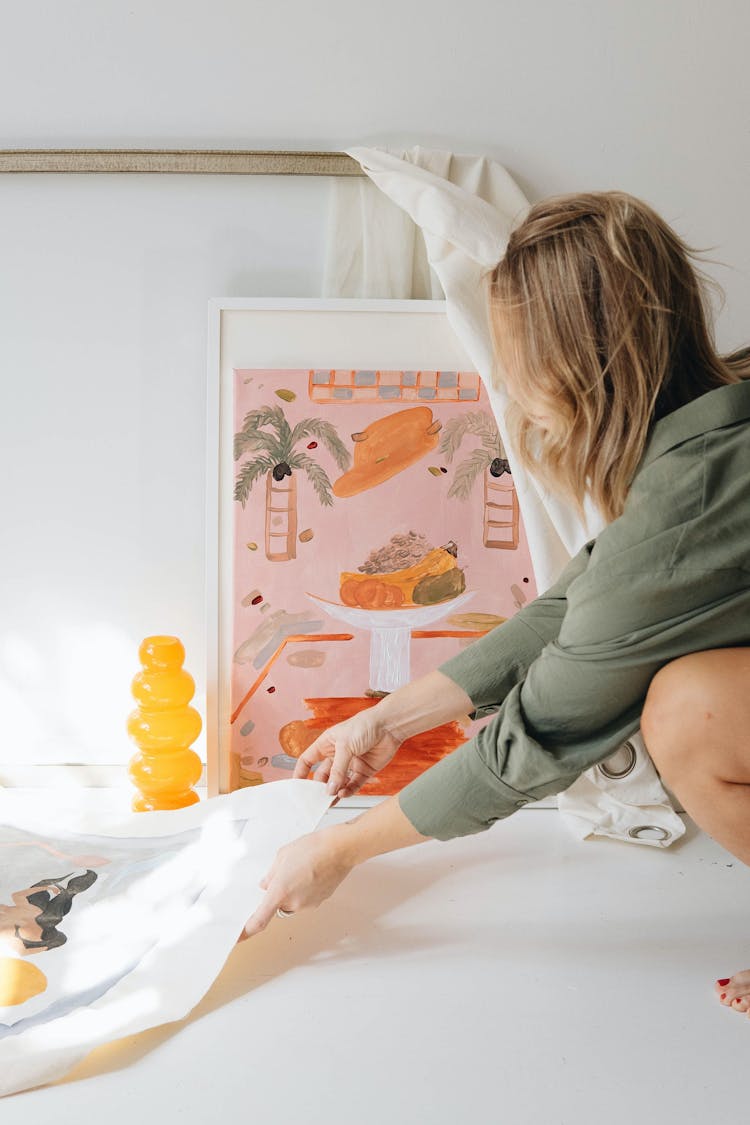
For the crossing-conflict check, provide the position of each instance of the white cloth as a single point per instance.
(633, 807)
(460, 211)
(160, 900)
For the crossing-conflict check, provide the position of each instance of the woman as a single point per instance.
(603, 340)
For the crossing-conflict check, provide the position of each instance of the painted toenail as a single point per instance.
(723, 996)
(723, 982)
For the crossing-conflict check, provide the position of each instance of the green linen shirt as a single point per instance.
(566, 677)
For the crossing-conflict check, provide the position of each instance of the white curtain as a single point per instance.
(428, 224)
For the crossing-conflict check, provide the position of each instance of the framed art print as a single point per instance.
(363, 525)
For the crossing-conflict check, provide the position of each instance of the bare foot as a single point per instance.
(735, 992)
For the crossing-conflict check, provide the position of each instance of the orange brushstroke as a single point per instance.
(306, 637)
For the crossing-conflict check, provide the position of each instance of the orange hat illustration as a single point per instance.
(386, 447)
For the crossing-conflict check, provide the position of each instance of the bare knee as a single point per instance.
(677, 708)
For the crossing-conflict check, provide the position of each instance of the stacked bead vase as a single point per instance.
(163, 726)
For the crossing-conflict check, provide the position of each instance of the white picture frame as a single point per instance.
(289, 333)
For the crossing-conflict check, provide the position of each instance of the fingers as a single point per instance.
(337, 750)
(304, 763)
(318, 751)
(323, 771)
(264, 882)
(267, 909)
(262, 916)
(340, 768)
(358, 775)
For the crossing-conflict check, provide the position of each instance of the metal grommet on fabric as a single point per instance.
(628, 768)
(640, 830)
(520, 804)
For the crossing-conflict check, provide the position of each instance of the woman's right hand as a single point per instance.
(349, 753)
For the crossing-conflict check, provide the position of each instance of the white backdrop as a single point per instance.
(104, 280)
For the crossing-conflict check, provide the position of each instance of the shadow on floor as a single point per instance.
(348, 926)
(345, 926)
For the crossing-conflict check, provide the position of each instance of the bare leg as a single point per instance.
(696, 725)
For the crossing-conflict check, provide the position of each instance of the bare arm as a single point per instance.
(383, 828)
(423, 704)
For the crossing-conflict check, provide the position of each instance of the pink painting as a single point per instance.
(376, 531)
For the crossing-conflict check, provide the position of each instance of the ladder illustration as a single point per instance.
(499, 500)
(281, 518)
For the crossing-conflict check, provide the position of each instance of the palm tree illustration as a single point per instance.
(272, 454)
(489, 458)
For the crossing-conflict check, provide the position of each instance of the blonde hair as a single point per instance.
(604, 322)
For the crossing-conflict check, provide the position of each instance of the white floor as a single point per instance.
(516, 976)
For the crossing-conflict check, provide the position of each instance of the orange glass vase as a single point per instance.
(163, 726)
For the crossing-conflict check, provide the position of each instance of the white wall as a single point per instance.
(104, 279)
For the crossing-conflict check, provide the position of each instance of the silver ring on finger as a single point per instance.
(280, 913)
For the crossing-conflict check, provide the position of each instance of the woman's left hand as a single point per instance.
(303, 874)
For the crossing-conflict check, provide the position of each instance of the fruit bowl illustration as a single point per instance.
(390, 633)
(434, 578)
(403, 585)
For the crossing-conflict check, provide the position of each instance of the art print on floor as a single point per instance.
(376, 529)
(94, 913)
(106, 933)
